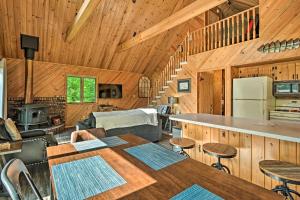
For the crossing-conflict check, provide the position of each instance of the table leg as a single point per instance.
(170, 126)
(51, 191)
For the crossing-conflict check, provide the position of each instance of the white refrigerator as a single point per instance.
(253, 97)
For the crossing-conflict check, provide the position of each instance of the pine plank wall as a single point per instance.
(50, 80)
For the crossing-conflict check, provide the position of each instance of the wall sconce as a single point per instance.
(276, 47)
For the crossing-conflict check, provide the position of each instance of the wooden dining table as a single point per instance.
(143, 182)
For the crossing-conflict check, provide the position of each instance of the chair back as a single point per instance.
(84, 135)
(10, 176)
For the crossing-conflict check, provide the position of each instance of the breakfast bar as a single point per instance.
(255, 140)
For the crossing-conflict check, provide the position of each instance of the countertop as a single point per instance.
(288, 131)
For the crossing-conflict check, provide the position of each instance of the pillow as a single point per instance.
(3, 133)
(12, 130)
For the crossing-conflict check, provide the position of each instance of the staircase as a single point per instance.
(239, 28)
(169, 73)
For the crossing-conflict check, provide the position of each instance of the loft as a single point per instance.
(164, 99)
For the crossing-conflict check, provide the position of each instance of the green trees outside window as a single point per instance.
(89, 90)
(81, 89)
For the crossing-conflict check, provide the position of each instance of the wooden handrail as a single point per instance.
(231, 30)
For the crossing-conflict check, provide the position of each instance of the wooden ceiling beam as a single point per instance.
(85, 11)
(183, 15)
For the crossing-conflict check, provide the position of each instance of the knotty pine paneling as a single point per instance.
(187, 101)
(112, 23)
(50, 80)
(281, 71)
(250, 150)
(274, 15)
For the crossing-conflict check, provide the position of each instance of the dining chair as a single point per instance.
(90, 134)
(10, 178)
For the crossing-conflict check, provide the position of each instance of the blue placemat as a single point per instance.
(196, 192)
(113, 141)
(89, 144)
(84, 178)
(155, 156)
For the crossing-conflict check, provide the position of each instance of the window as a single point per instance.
(144, 87)
(81, 89)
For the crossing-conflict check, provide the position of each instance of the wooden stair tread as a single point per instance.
(183, 63)
(280, 169)
(220, 150)
(184, 143)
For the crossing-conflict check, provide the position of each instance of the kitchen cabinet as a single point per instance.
(286, 71)
(265, 71)
(248, 72)
(297, 71)
(251, 149)
(280, 72)
(292, 71)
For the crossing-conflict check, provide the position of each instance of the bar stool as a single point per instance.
(220, 151)
(285, 172)
(182, 143)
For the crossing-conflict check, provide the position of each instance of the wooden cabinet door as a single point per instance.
(199, 152)
(205, 92)
(206, 139)
(292, 71)
(199, 142)
(266, 71)
(281, 72)
(248, 72)
(297, 71)
(191, 135)
(185, 130)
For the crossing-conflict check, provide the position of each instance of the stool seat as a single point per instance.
(184, 143)
(280, 170)
(220, 150)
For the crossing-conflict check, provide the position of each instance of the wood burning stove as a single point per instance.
(32, 114)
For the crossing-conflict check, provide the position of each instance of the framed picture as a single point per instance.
(184, 85)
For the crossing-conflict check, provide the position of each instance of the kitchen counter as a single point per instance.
(287, 131)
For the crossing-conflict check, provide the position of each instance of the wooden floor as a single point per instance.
(40, 175)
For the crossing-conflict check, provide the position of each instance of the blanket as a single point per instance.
(128, 118)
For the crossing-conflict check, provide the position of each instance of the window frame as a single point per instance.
(149, 88)
(82, 77)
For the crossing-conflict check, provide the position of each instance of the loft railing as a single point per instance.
(238, 28)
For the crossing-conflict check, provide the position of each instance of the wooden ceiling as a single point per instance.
(113, 22)
(234, 6)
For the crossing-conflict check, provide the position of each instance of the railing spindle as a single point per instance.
(211, 37)
(199, 42)
(248, 20)
(218, 34)
(238, 28)
(232, 31)
(243, 27)
(254, 23)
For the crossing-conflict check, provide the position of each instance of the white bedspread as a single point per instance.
(128, 118)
